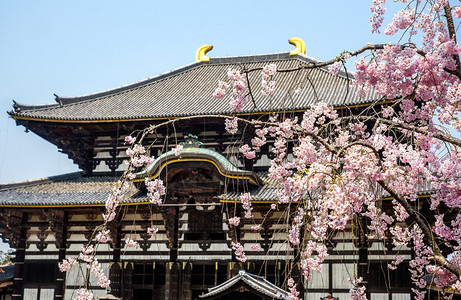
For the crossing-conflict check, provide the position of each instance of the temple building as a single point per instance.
(190, 257)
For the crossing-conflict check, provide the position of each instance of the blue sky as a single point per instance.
(79, 47)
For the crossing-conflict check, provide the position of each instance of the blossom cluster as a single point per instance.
(245, 198)
(378, 11)
(293, 292)
(268, 85)
(239, 89)
(96, 269)
(67, 264)
(238, 250)
(152, 231)
(231, 125)
(138, 157)
(103, 236)
(86, 255)
(247, 152)
(113, 200)
(130, 243)
(155, 190)
(84, 294)
(234, 221)
(358, 290)
(177, 150)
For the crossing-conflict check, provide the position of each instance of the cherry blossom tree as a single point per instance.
(344, 164)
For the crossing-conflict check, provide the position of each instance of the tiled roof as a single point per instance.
(77, 190)
(188, 91)
(258, 283)
(267, 191)
(74, 189)
(66, 190)
(224, 166)
(264, 192)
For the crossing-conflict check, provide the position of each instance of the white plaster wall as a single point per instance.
(341, 274)
(46, 294)
(41, 257)
(94, 280)
(30, 294)
(190, 247)
(77, 228)
(102, 167)
(156, 257)
(75, 247)
(377, 245)
(345, 246)
(219, 247)
(76, 275)
(319, 280)
(343, 257)
(347, 236)
(251, 237)
(33, 237)
(401, 297)
(316, 296)
(386, 257)
(380, 296)
(158, 247)
(264, 161)
(280, 247)
(32, 248)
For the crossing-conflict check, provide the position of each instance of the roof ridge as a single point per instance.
(62, 177)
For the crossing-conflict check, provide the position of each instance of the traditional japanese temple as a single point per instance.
(49, 219)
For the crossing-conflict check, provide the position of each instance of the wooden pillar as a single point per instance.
(115, 273)
(362, 244)
(174, 249)
(297, 274)
(127, 292)
(172, 281)
(61, 243)
(19, 258)
(186, 286)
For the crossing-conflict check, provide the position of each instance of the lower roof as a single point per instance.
(257, 283)
(78, 190)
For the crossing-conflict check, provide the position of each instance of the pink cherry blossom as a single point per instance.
(152, 231)
(238, 250)
(131, 243)
(177, 150)
(235, 221)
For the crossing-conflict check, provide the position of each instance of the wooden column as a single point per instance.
(172, 281)
(127, 278)
(20, 245)
(186, 286)
(362, 244)
(61, 243)
(115, 275)
(297, 273)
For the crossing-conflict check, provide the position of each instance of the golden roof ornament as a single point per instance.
(299, 44)
(201, 51)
